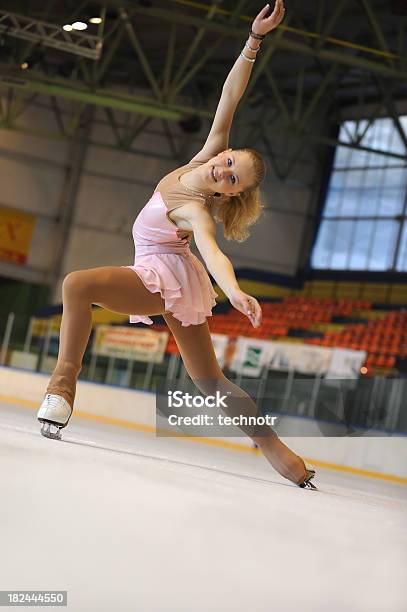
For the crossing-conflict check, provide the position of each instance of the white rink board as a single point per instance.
(387, 455)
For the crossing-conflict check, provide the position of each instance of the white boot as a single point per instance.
(56, 411)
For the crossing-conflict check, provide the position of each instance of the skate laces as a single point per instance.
(54, 401)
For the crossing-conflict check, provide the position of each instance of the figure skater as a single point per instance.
(218, 185)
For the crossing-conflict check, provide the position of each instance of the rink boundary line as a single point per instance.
(208, 441)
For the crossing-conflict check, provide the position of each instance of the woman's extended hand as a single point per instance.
(262, 24)
(248, 305)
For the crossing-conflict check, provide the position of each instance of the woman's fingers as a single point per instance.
(247, 305)
(278, 10)
(263, 12)
(258, 313)
(262, 21)
(253, 311)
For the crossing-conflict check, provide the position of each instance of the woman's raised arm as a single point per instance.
(236, 82)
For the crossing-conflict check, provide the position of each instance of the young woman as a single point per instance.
(167, 279)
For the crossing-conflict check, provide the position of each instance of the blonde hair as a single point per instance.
(239, 212)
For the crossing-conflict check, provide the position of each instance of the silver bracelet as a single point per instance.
(254, 49)
(248, 59)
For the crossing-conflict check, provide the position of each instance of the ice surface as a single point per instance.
(126, 521)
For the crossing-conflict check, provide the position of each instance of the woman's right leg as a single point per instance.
(199, 358)
(114, 288)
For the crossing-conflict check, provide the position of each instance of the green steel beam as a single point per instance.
(113, 124)
(317, 96)
(197, 39)
(108, 53)
(132, 134)
(376, 27)
(283, 43)
(299, 94)
(99, 97)
(330, 23)
(272, 129)
(132, 104)
(247, 19)
(170, 139)
(140, 54)
(351, 145)
(57, 112)
(360, 136)
(388, 101)
(272, 157)
(169, 59)
(94, 143)
(21, 105)
(277, 94)
(181, 84)
(342, 58)
(68, 200)
(320, 16)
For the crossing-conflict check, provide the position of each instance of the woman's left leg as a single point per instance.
(197, 352)
(114, 288)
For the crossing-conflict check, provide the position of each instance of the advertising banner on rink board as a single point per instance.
(301, 358)
(220, 343)
(346, 363)
(129, 343)
(250, 356)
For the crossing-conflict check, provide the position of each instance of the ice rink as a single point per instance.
(126, 521)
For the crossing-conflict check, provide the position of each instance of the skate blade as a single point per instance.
(48, 433)
(308, 485)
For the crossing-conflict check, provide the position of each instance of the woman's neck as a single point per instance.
(194, 179)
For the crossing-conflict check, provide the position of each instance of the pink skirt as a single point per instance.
(183, 284)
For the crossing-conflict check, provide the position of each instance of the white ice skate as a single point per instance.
(310, 475)
(54, 411)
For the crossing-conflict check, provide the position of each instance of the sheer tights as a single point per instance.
(121, 290)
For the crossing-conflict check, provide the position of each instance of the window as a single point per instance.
(364, 223)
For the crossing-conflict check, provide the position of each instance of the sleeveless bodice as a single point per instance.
(154, 232)
(164, 262)
(153, 227)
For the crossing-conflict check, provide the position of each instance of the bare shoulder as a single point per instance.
(197, 214)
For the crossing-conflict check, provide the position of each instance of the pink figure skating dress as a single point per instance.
(165, 262)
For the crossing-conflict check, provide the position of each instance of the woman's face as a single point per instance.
(230, 172)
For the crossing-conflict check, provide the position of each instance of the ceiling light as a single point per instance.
(67, 27)
(95, 20)
(79, 25)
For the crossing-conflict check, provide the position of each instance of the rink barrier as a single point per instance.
(375, 457)
(209, 441)
(137, 426)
